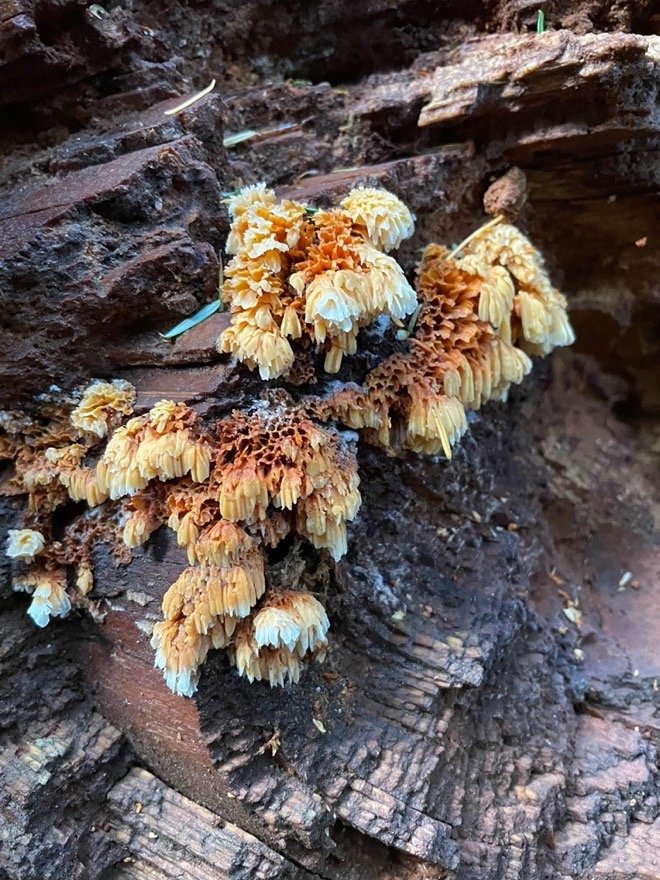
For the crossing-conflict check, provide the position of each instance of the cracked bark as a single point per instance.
(482, 734)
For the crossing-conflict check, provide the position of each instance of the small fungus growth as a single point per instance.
(481, 316)
(50, 466)
(299, 278)
(24, 544)
(277, 479)
(100, 405)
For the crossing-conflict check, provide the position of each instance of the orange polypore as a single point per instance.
(298, 281)
(234, 489)
(480, 317)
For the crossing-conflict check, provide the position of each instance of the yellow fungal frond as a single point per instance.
(208, 591)
(271, 473)
(143, 513)
(201, 609)
(540, 308)
(49, 596)
(84, 578)
(249, 284)
(278, 666)
(24, 544)
(386, 219)
(480, 316)
(334, 301)
(163, 444)
(505, 245)
(221, 543)
(100, 404)
(82, 483)
(435, 422)
(391, 294)
(264, 349)
(180, 651)
(263, 228)
(270, 643)
(255, 195)
(275, 627)
(293, 620)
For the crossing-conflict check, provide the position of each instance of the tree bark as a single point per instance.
(489, 706)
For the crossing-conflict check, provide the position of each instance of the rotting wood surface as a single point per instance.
(470, 726)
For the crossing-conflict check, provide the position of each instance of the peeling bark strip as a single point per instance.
(490, 700)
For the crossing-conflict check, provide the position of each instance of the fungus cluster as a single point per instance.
(274, 473)
(230, 492)
(480, 317)
(50, 466)
(302, 279)
(165, 443)
(275, 476)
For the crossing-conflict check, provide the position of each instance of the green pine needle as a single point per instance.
(188, 323)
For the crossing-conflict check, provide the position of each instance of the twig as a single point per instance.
(193, 99)
(476, 234)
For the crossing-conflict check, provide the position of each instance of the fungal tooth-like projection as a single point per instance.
(385, 219)
(482, 314)
(49, 595)
(538, 315)
(301, 280)
(180, 651)
(293, 620)
(283, 461)
(270, 644)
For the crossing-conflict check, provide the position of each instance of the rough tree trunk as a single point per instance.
(469, 727)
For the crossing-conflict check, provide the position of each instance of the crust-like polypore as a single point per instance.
(229, 490)
(273, 473)
(234, 489)
(481, 315)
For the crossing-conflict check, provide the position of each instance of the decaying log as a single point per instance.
(58, 758)
(488, 708)
(171, 836)
(46, 46)
(142, 225)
